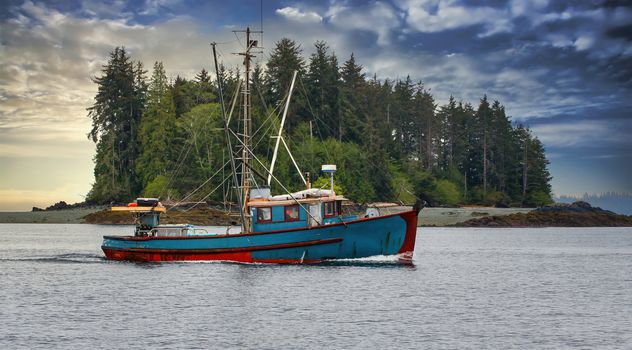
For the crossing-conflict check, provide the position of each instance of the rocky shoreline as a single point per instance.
(578, 214)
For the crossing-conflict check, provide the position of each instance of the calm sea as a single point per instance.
(469, 288)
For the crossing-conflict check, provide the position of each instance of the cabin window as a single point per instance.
(329, 209)
(339, 207)
(264, 214)
(291, 213)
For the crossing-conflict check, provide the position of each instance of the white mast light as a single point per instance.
(331, 169)
(328, 168)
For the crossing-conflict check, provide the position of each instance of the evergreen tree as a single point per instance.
(157, 129)
(387, 137)
(402, 116)
(536, 180)
(204, 90)
(425, 127)
(115, 118)
(183, 96)
(286, 57)
(477, 168)
(323, 80)
(353, 113)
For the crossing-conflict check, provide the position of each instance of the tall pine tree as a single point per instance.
(116, 115)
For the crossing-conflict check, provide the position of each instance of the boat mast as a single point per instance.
(247, 128)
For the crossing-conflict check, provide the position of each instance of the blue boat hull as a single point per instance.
(384, 235)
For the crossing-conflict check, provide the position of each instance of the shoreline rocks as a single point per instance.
(578, 214)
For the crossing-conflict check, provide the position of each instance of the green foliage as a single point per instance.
(324, 182)
(389, 139)
(157, 128)
(201, 150)
(446, 192)
(539, 199)
(404, 189)
(158, 187)
(116, 115)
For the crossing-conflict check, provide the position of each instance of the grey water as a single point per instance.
(551, 288)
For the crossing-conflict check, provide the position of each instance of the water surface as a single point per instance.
(469, 288)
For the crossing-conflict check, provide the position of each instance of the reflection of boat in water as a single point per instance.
(299, 227)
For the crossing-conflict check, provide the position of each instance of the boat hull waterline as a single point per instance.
(393, 234)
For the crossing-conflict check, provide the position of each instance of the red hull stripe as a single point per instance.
(225, 250)
(243, 257)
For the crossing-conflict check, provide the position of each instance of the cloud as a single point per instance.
(439, 15)
(295, 14)
(100, 9)
(589, 133)
(376, 17)
(47, 61)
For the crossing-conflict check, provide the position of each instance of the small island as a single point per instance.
(577, 214)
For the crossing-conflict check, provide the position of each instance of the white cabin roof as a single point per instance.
(262, 202)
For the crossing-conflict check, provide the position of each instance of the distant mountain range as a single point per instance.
(620, 203)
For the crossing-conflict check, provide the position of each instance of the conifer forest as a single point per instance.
(390, 139)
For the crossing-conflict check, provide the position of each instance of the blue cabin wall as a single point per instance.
(278, 219)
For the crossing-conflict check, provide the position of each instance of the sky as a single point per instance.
(563, 68)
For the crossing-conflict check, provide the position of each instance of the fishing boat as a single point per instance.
(307, 226)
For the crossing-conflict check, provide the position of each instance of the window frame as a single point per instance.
(261, 221)
(298, 211)
(332, 208)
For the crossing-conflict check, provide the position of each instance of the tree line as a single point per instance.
(390, 139)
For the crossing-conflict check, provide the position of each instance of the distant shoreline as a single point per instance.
(579, 214)
(438, 217)
(65, 216)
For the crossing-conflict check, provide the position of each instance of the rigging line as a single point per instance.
(271, 125)
(180, 162)
(412, 194)
(208, 195)
(227, 135)
(263, 101)
(331, 130)
(269, 113)
(311, 110)
(202, 185)
(239, 40)
(280, 183)
(224, 43)
(181, 159)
